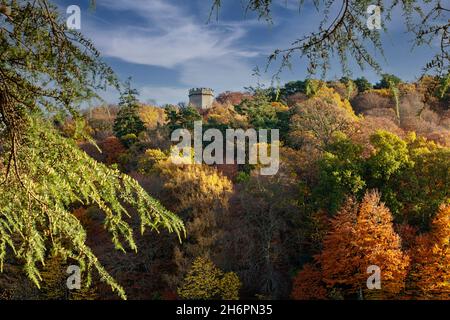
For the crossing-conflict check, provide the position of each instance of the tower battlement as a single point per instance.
(205, 91)
(202, 98)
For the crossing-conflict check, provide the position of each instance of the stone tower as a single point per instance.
(202, 98)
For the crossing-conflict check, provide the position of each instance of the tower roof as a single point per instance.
(205, 91)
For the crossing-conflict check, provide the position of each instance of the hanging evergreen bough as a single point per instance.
(46, 69)
(343, 33)
(50, 173)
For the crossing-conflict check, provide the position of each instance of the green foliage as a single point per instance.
(259, 110)
(312, 87)
(341, 173)
(350, 86)
(45, 69)
(422, 187)
(387, 81)
(389, 160)
(128, 121)
(184, 117)
(293, 87)
(444, 88)
(205, 281)
(362, 84)
(390, 156)
(242, 177)
(45, 66)
(129, 139)
(344, 171)
(413, 176)
(50, 174)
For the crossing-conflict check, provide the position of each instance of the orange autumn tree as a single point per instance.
(430, 272)
(112, 149)
(308, 284)
(362, 235)
(337, 259)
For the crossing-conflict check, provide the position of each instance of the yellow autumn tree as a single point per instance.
(149, 159)
(230, 286)
(199, 194)
(279, 107)
(225, 114)
(204, 281)
(320, 118)
(316, 122)
(152, 116)
(54, 283)
(330, 96)
(194, 186)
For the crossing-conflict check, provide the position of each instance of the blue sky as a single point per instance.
(167, 46)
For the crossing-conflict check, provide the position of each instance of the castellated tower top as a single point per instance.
(202, 98)
(207, 91)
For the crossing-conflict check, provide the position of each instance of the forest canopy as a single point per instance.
(364, 175)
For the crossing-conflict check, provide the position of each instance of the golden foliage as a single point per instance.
(279, 107)
(194, 185)
(381, 92)
(205, 281)
(152, 116)
(331, 97)
(230, 285)
(317, 121)
(225, 114)
(149, 159)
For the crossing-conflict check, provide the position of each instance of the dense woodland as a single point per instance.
(364, 179)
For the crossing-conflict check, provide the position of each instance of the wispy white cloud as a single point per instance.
(173, 36)
(212, 55)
